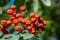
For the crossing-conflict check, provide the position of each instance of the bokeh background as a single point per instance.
(48, 9)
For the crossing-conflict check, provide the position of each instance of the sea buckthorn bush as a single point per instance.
(32, 24)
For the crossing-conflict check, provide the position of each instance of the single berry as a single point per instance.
(32, 14)
(40, 25)
(5, 31)
(2, 27)
(9, 22)
(28, 22)
(33, 31)
(44, 22)
(29, 28)
(18, 28)
(33, 20)
(12, 18)
(37, 16)
(15, 22)
(14, 14)
(40, 20)
(18, 15)
(10, 11)
(20, 19)
(13, 7)
(3, 22)
(22, 8)
(23, 21)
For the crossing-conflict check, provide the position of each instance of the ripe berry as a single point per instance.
(4, 31)
(32, 15)
(33, 31)
(13, 7)
(33, 20)
(40, 20)
(2, 27)
(12, 18)
(9, 22)
(18, 28)
(37, 16)
(26, 18)
(3, 22)
(40, 25)
(18, 15)
(20, 19)
(23, 21)
(22, 8)
(44, 22)
(10, 11)
(15, 22)
(14, 14)
(28, 22)
(29, 28)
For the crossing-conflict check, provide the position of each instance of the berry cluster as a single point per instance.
(33, 24)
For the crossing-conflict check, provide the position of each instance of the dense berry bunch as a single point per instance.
(32, 24)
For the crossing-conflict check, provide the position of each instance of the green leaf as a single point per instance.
(0, 11)
(35, 6)
(27, 35)
(7, 36)
(46, 2)
(15, 37)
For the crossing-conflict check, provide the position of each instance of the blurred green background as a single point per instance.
(48, 9)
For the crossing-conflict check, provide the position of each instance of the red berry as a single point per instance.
(3, 22)
(4, 31)
(26, 18)
(40, 20)
(33, 20)
(18, 15)
(20, 19)
(9, 22)
(18, 28)
(13, 7)
(32, 14)
(2, 27)
(22, 8)
(29, 28)
(44, 22)
(32, 24)
(33, 31)
(23, 21)
(15, 22)
(37, 16)
(14, 14)
(12, 18)
(40, 25)
(28, 22)
(9, 11)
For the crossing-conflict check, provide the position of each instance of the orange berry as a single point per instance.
(13, 7)
(33, 31)
(32, 14)
(18, 15)
(37, 16)
(12, 18)
(29, 28)
(9, 11)
(15, 22)
(9, 22)
(3, 22)
(22, 8)
(18, 28)
(33, 20)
